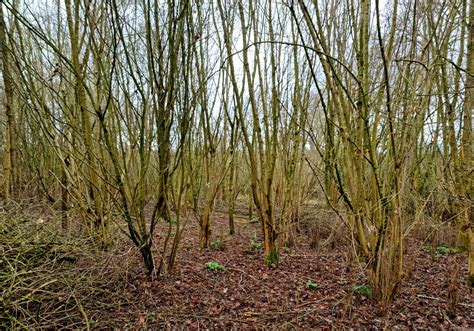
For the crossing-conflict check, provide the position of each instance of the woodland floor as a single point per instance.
(250, 295)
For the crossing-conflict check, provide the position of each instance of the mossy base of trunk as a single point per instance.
(205, 238)
(272, 257)
(470, 280)
(147, 256)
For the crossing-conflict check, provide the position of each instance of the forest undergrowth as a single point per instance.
(51, 278)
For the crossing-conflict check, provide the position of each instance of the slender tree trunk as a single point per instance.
(231, 197)
(9, 162)
(205, 228)
(466, 186)
(231, 180)
(94, 181)
(64, 193)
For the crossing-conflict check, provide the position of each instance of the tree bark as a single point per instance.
(466, 186)
(9, 162)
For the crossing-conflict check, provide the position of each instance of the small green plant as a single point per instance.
(256, 245)
(217, 245)
(443, 250)
(428, 249)
(312, 285)
(362, 289)
(448, 250)
(361, 259)
(215, 266)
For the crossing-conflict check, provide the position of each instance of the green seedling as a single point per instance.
(362, 289)
(443, 250)
(312, 285)
(256, 245)
(215, 266)
(428, 249)
(217, 245)
(448, 250)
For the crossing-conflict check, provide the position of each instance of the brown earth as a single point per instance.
(250, 295)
